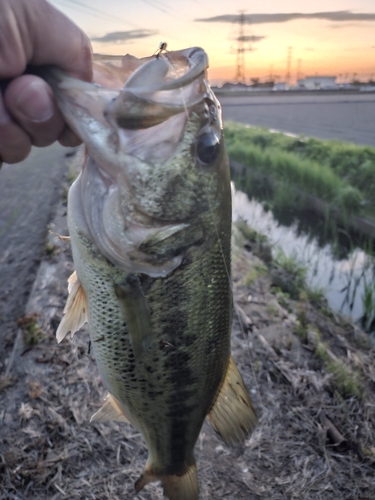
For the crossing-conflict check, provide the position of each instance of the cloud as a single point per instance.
(124, 36)
(249, 38)
(336, 16)
(342, 25)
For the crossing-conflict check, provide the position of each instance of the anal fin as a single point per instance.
(233, 416)
(75, 311)
(176, 487)
(110, 410)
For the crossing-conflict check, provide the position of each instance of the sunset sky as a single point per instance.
(338, 40)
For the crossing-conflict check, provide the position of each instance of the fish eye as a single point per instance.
(207, 148)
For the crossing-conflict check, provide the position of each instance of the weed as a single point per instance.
(291, 265)
(345, 380)
(261, 269)
(247, 232)
(32, 333)
(368, 301)
(283, 298)
(251, 276)
(321, 351)
(315, 295)
(51, 250)
(302, 325)
(288, 274)
(272, 310)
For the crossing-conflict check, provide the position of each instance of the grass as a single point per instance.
(288, 274)
(339, 173)
(256, 272)
(302, 325)
(368, 301)
(344, 380)
(32, 333)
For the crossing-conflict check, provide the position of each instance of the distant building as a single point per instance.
(317, 82)
(234, 86)
(280, 86)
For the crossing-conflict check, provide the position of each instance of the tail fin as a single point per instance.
(176, 487)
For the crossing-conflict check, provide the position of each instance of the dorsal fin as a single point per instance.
(110, 410)
(75, 310)
(233, 416)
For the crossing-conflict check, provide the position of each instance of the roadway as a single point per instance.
(29, 192)
(347, 117)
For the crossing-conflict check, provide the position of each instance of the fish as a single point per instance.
(149, 219)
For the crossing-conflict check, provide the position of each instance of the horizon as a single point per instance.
(337, 42)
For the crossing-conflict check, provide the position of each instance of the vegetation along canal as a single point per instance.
(314, 201)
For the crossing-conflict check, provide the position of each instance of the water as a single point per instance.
(342, 280)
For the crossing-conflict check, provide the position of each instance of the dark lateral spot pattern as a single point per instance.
(171, 388)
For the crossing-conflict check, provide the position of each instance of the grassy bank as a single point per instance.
(339, 173)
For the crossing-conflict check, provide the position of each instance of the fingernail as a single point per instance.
(35, 103)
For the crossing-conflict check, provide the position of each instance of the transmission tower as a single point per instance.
(288, 64)
(240, 58)
(299, 72)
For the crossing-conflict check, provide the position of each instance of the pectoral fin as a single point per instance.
(110, 410)
(75, 311)
(233, 416)
(136, 313)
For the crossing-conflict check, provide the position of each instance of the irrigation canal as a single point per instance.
(342, 278)
(346, 117)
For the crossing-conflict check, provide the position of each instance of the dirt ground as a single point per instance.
(310, 373)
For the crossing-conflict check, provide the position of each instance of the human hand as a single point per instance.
(34, 32)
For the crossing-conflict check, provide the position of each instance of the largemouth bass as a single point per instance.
(149, 218)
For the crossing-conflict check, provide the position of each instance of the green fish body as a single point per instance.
(150, 225)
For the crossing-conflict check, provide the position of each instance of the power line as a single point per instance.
(156, 6)
(87, 9)
(95, 12)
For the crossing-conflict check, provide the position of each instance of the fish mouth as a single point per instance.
(136, 108)
(159, 88)
(140, 94)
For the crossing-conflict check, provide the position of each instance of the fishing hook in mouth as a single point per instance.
(162, 49)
